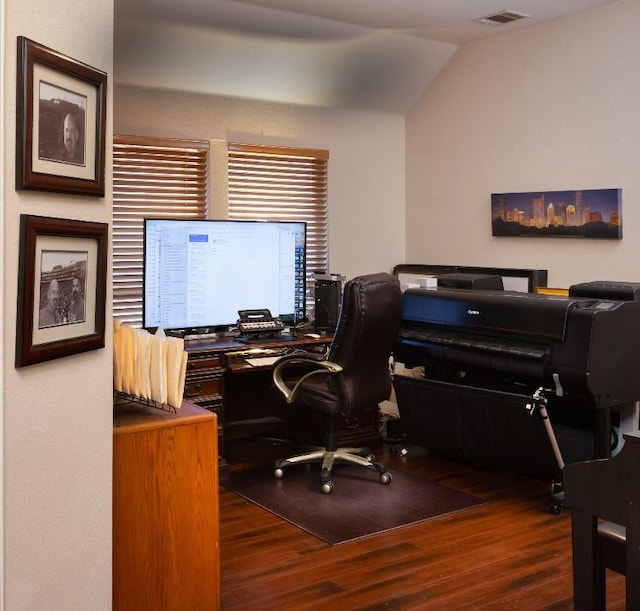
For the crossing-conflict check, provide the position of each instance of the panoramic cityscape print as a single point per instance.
(589, 213)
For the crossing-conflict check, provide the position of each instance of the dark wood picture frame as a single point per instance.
(68, 249)
(51, 90)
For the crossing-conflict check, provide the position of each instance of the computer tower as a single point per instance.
(328, 298)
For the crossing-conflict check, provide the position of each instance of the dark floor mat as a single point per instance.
(359, 505)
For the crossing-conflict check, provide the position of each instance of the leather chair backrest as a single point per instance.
(365, 337)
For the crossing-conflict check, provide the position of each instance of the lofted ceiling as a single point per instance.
(377, 55)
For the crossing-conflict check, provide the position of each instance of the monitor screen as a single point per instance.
(197, 274)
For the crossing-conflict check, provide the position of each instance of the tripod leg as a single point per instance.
(552, 436)
(557, 490)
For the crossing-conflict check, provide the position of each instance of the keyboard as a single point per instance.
(197, 336)
(263, 361)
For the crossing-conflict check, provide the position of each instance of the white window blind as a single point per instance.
(152, 178)
(282, 184)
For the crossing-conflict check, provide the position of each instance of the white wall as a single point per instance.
(57, 415)
(366, 163)
(550, 107)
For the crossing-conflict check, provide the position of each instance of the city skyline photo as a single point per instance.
(587, 213)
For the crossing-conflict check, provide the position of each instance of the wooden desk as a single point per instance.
(211, 367)
(166, 534)
(220, 379)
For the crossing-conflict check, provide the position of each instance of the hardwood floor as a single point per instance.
(509, 553)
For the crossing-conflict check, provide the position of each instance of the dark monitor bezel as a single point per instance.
(289, 319)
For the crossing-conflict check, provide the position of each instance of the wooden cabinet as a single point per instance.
(166, 534)
(204, 386)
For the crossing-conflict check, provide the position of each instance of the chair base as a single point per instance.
(354, 456)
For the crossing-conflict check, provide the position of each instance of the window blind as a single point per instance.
(283, 184)
(152, 178)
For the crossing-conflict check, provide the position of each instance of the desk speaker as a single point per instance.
(328, 295)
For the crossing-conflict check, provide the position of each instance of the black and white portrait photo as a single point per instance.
(62, 117)
(61, 122)
(62, 288)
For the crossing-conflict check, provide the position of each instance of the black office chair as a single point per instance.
(604, 497)
(353, 378)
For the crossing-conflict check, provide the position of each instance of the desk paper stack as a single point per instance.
(151, 367)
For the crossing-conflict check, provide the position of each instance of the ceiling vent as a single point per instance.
(502, 18)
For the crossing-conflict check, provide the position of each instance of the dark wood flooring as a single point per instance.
(509, 553)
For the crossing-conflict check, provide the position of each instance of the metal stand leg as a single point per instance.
(539, 401)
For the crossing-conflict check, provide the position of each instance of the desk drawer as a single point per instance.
(211, 402)
(209, 362)
(203, 383)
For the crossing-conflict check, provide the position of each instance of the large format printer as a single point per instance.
(484, 354)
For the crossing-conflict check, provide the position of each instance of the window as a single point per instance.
(283, 184)
(153, 178)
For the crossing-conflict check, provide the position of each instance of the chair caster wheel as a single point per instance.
(327, 487)
(385, 478)
(278, 473)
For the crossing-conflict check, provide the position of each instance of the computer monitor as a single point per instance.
(197, 274)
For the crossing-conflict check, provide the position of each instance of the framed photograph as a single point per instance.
(61, 122)
(585, 213)
(61, 288)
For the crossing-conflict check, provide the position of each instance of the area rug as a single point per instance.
(358, 507)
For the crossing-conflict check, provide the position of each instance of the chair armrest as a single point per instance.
(317, 362)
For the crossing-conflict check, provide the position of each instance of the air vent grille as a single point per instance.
(502, 18)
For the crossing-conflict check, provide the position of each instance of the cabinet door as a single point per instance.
(165, 518)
